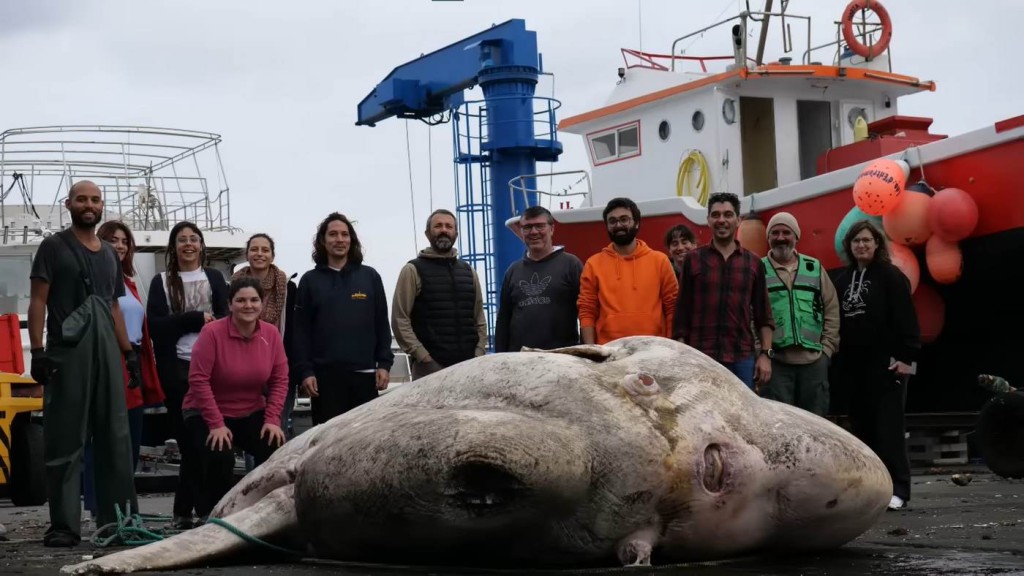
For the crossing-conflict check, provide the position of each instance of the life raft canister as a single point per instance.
(855, 44)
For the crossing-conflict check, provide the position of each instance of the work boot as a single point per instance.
(61, 540)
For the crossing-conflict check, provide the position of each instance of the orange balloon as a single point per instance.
(952, 214)
(879, 188)
(753, 236)
(907, 223)
(905, 259)
(931, 312)
(944, 259)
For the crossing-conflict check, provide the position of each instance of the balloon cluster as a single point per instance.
(914, 218)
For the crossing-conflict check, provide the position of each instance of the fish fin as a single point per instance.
(594, 352)
(269, 519)
(279, 470)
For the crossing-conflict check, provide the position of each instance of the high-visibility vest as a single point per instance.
(799, 312)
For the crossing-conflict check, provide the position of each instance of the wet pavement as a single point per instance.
(946, 529)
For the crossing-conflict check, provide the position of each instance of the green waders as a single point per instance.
(85, 397)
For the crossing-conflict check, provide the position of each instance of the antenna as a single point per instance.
(640, 24)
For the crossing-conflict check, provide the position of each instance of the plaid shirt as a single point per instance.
(718, 301)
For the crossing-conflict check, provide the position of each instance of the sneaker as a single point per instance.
(896, 503)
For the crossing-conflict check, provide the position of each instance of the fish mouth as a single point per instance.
(712, 469)
(483, 488)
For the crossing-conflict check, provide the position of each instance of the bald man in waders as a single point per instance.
(76, 281)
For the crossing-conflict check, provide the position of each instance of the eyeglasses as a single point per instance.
(538, 227)
(624, 221)
(188, 240)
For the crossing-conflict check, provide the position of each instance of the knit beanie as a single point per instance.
(786, 219)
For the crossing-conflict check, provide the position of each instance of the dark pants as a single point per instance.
(216, 468)
(743, 369)
(802, 385)
(88, 479)
(174, 391)
(877, 399)
(85, 399)
(421, 369)
(286, 412)
(340, 391)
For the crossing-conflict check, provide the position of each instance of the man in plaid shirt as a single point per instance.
(722, 291)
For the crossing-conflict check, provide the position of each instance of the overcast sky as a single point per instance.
(280, 81)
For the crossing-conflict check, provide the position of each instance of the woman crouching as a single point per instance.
(238, 380)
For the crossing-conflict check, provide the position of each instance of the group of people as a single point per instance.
(227, 358)
(774, 321)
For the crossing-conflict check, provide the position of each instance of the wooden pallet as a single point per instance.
(932, 447)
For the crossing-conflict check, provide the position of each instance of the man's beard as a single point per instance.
(782, 251)
(78, 221)
(624, 238)
(441, 243)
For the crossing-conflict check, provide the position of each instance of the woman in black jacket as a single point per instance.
(878, 343)
(181, 301)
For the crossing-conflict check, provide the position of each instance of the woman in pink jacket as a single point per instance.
(238, 380)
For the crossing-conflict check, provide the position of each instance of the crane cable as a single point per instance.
(684, 181)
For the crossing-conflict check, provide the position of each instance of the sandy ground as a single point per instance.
(947, 529)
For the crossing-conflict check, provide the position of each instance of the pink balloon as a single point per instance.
(905, 259)
(952, 214)
(944, 259)
(931, 312)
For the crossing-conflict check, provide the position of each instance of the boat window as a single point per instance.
(15, 285)
(616, 143)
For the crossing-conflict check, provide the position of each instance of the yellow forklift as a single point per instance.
(22, 468)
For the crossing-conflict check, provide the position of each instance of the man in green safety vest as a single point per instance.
(806, 311)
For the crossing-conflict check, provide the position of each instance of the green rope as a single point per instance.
(252, 539)
(130, 530)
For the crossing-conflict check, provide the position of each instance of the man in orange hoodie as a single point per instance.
(626, 289)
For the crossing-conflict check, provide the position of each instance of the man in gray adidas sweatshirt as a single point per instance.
(538, 296)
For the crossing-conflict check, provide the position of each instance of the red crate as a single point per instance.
(11, 359)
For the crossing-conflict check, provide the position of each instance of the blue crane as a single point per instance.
(496, 139)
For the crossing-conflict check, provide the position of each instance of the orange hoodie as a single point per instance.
(628, 295)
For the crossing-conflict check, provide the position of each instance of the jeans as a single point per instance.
(743, 369)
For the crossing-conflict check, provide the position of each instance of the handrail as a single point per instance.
(743, 17)
(650, 56)
(838, 42)
(513, 187)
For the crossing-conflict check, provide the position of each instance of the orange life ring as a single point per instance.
(856, 45)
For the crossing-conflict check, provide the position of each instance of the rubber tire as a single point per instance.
(28, 467)
(1000, 433)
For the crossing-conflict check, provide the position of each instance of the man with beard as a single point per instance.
(76, 281)
(539, 292)
(627, 289)
(721, 292)
(342, 344)
(438, 310)
(806, 311)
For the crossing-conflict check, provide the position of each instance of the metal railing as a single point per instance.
(518, 185)
(150, 177)
(743, 17)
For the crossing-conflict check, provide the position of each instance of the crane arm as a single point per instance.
(434, 82)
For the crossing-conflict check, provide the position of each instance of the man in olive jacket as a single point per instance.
(437, 312)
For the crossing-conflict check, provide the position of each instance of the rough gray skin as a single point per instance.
(583, 456)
